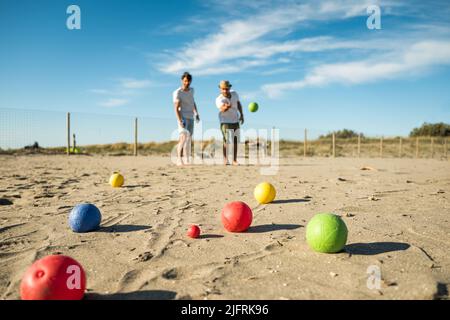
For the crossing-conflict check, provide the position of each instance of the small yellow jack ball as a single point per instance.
(264, 193)
(116, 180)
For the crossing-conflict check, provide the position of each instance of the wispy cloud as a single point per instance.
(130, 83)
(124, 89)
(99, 91)
(412, 59)
(249, 39)
(262, 37)
(113, 102)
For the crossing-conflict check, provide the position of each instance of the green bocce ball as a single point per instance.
(326, 233)
(253, 107)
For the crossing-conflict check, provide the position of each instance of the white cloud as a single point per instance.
(113, 102)
(260, 39)
(244, 38)
(130, 83)
(99, 91)
(122, 92)
(412, 59)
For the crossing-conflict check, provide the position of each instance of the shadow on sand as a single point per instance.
(122, 228)
(210, 236)
(136, 186)
(273, 227)
(374, 248)
(290, 201)
(135, 295)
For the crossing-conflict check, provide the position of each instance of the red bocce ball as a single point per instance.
(237, 216)
(54, 277)
(194, 231)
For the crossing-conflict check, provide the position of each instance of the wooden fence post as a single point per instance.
(135, 136)
(359, 145)
(334, 145)
(68, 133)
(432, 147)
(445, 147)
(305, 143)
(381, 147)
(417, 147)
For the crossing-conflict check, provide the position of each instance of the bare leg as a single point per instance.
(180, 148)
(235, 150)
(187, 148)
(225, 159)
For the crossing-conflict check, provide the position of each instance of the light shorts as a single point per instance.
(188, 127)
(230, 130)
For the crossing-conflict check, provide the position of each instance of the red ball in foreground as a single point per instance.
(194, 231)
(54, 277)
(237, 216)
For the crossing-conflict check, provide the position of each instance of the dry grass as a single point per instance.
(370, 148)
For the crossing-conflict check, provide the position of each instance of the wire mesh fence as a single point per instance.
(88, 133)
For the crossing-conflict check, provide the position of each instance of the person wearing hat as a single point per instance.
(185, 111)
(230, 116)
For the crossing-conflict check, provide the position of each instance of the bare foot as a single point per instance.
(225, 162)
(186, 162)
(180, 162)
(235, 163)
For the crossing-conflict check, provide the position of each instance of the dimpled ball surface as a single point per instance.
(54, 277)
(264, 193)
(85, 217)
(326, 233)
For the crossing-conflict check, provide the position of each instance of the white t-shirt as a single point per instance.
(187, 102)
(232, 114)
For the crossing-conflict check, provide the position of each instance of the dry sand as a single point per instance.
(397, 216)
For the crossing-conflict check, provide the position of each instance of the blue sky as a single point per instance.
(309, 64)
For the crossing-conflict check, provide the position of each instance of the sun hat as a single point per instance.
(225, 84)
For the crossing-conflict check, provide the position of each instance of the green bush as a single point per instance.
(431, 130)
(342, 134)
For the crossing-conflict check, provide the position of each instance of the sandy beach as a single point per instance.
(397, 213)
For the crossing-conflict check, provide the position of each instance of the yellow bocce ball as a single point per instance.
(264, 193)
(116, 180)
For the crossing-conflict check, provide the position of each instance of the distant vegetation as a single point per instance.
(430, 140)
(431, 130)
(342, 134)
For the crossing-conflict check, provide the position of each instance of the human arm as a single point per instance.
(197, 116)
(241, 118)
(225, 107)
(177, 105)
(223, 104)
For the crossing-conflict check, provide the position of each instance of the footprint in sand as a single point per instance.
(144, 257)
(44, 195)
(170, 274)
(14, 244)
(128, 278)
(23, 186)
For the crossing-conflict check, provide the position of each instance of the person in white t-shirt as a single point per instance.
(230, 116)
(185, 111)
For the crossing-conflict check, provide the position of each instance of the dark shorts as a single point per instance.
(229, 131)
(188, 126)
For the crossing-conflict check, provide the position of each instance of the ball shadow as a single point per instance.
(136, 186)
(123, 228)
(273, 227)
(375, 248)
(135, 295)
(290, 201)
(210, 236)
